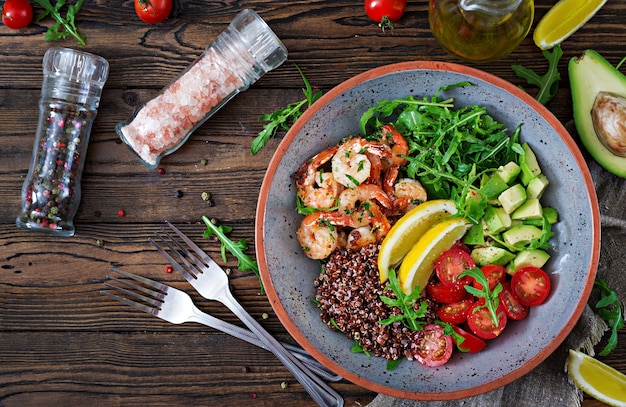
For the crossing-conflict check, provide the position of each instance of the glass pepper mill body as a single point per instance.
(70, 96)
(480, 30)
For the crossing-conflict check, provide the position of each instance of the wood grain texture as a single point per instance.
(62, 341)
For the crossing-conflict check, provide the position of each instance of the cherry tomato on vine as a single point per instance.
(431, 346)
(153, 11)
(385, 12)
(17, 14)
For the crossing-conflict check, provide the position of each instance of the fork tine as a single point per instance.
(205, 257)
(184, 256)
(151, 283)
(124, 300)
(157, 299)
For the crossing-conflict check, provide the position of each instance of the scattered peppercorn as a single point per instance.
(284, 385)
(121, 213)
(100, 243)
(265, 315)
(206, 196)
(253, 395)
(161, 170)
(179, 194)
(169, 269)
(204, 161)
(228, 271)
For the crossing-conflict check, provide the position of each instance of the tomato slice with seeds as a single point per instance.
(455, 313)
(513, 308)
(452, 263)
(431, 346)
(480, 323)
(444, 294)
(530, 285)
(494, 273)
(471, 343)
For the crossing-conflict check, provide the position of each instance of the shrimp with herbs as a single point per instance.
(351, 165)
(318, 233)
(316, 188)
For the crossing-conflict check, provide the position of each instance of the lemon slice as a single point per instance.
(563, 19)
(597, 379)
(407, 231)
(419, 262)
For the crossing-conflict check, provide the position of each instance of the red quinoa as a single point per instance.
(348, 294)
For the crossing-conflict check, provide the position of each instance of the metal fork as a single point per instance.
(177, 307)
(208, 278)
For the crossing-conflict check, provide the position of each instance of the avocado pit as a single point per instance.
(609, 121)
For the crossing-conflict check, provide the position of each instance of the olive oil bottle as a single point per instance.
(480, 30)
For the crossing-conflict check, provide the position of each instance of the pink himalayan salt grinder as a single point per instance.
(238, 57)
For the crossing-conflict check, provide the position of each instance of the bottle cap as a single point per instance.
(268, 51)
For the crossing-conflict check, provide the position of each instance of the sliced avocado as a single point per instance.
(530, 257)
(496, 219)
(474, 236)
(521, 235)
(531, 209)
(512, 198)
(537, 186)
(551, 214)
(508, 172)
(589, 75)
(491, 255)
(528, 164)
(493, 187)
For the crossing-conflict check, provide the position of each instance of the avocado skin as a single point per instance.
(590, 74)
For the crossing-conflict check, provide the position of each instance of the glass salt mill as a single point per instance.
(480, 30)
(70, 95)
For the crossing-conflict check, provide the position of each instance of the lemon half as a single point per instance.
(408, 230)
(563, 20)
(418, 264)
(597, 379)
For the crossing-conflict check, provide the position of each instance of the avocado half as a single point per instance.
(590, 74)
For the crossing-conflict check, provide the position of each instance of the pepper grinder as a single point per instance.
(70, 95)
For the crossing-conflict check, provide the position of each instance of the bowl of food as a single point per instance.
(414, 175)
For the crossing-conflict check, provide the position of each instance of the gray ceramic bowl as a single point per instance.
(288, 275)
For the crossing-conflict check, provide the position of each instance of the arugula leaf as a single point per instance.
(357, 348)
(609, 309)
(284, 118)
(410, 317)
(244, 262)
(64, 26)
(548, 83)
(492, 300)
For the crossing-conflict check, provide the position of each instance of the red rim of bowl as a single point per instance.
(432, 66)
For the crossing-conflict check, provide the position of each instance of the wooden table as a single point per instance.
(61, 341)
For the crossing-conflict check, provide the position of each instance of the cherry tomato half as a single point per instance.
(494, 273)
(379, 10)
(455, 313)
(431, 347)
(444, 294)
(471, 343)
(153, 11)
(17, 14)
(452, 263)
(480, 323)
(513, 308)
(530, 285)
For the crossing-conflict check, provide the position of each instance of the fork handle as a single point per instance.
(322, 393)
(248, 336)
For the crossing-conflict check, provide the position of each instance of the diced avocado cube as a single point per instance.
(491, 255)
(512, 198)
(528, 165)
(496, 219)
(493, 187)
(508, 172)
(530, 257)
(521, 235)
(551, 214)
(537, 186)
(474, 236)
(531, 209)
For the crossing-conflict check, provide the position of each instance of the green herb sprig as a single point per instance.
(244, 261)
(609, 309)
(284, 118)
(492, 300)
(548, 83)
(410, 317)
(64, 26)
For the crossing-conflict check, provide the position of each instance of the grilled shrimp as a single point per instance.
(351, 165)
(318, 234)
(316, 188)
(408, 193)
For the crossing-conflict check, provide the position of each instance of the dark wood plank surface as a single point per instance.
(60, 340)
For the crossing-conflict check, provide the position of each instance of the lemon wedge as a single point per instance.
(597, 379)
(563, 20)
(418, 264)
(407, 231)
